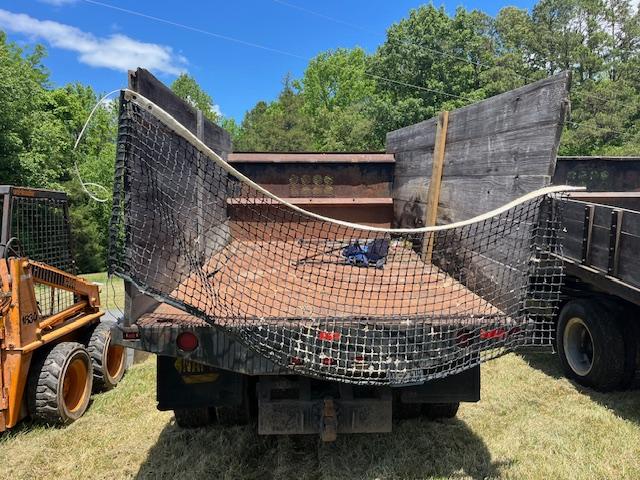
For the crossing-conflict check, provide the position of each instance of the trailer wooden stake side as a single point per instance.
(598, 328)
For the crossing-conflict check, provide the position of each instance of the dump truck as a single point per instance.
(598, 326)
(54, 349)
(327, 293)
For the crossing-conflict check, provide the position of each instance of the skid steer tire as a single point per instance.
(591, 345)
(195, 417)
(109, 361)
(59, 385)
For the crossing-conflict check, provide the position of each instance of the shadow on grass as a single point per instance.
(625, 404)
(417, 448)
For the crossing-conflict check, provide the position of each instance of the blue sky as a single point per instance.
(95, 44)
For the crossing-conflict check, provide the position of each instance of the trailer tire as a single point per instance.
(109, 361)
(591, 345)
(434, 411)
(59, 384)
(194, 417)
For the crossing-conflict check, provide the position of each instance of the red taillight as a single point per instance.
(295, 361)
(328, 336)
(359, 358)
(187, 342)
(493, 334)
(328, 361)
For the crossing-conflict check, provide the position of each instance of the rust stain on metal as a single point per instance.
(265, 280)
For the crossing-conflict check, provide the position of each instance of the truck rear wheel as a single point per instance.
(108, 359)
(591, 346)
(59, 384)
(440, 410)
(194, 417)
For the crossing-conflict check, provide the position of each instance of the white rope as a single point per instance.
(75, 163)
(179, 129)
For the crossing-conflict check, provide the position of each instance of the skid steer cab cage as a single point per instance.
(35, 225)
(318, 296)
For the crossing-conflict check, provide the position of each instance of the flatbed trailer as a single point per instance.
(598, 327)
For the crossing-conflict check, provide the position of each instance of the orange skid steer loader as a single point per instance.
(54, 349)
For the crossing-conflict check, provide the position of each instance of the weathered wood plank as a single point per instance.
(629, 260)
(496, 151)
(631, 224)
(143, 82)
(461, 198)
(433, 194)
(599, 248)
(522, 152)
(467, 197)
(539, 103)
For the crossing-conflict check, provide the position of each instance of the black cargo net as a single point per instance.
(321, 297)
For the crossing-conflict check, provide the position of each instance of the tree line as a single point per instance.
(346, 99)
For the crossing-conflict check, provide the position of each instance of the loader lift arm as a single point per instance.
(25, 328)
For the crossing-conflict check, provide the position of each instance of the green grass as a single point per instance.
(111, 290)
(530, 424)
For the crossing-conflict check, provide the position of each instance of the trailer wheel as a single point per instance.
(109, 360)
(194, 417)
(590, 344)
(59, 385)
(440, 410)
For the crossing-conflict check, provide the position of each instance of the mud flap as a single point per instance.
(286, 407)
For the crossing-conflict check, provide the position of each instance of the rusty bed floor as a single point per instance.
(266, 280)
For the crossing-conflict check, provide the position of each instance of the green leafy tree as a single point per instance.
(279, 126)
(430, 62)
(337, 92)
(22, 92)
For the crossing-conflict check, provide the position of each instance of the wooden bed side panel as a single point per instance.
(496, 151)
(513, 135)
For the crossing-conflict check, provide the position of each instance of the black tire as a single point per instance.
(591, 345)
(195, 417)
(109, 361)
(234, 415)
(405, 411)
(440, 410)
(59, 384)
(243, 413)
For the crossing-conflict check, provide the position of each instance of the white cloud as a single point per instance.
(58, 3)
(116, 51)
(215, 108)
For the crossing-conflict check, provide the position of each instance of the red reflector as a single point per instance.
(328, 361)
(187, 342)
(496, 333)
(295, 361)
(359, 358)
(130, 335)
(329, 336)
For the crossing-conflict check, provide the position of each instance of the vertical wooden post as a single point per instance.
(433, 196)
